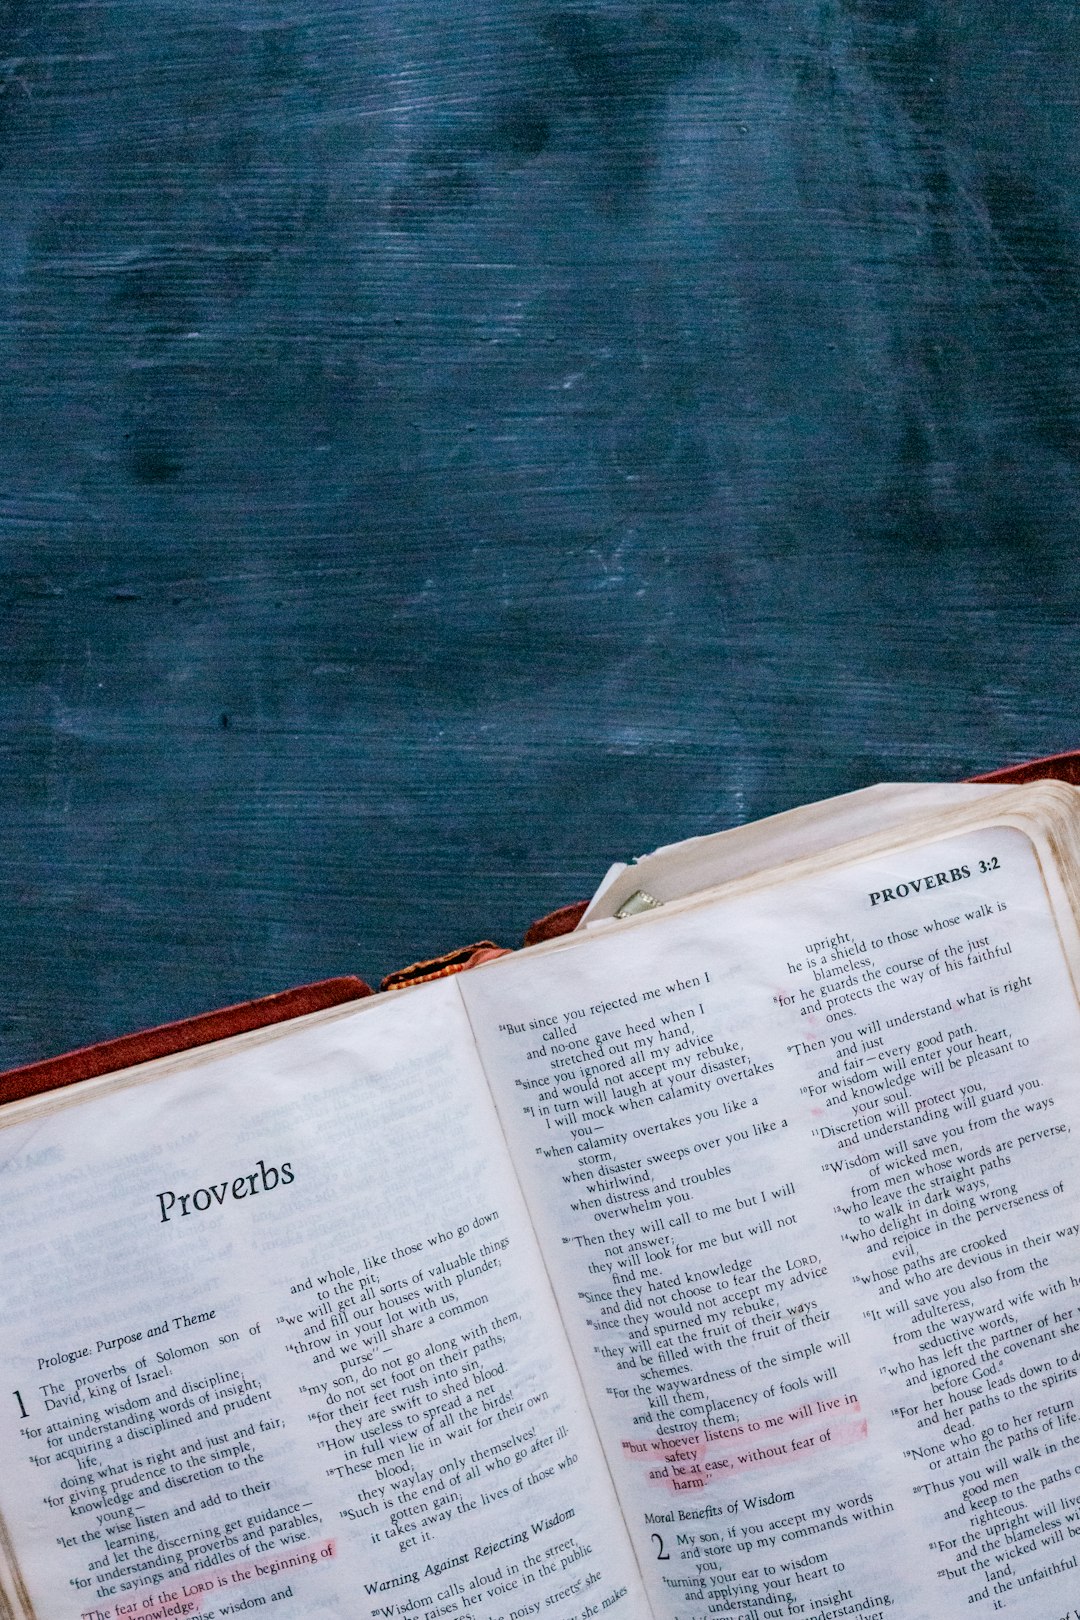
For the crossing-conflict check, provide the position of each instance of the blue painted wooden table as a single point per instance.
(444, 447)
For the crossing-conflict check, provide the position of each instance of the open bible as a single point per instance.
(718, 1259)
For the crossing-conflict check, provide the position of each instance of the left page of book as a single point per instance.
(276, 1334)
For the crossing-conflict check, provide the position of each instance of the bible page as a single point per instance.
(277, 1338)
(803, 1166)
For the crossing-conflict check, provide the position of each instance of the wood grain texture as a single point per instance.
(444, 447)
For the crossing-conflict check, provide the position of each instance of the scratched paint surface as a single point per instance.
(444, 447)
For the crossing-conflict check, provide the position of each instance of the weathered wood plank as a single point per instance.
(445, 447)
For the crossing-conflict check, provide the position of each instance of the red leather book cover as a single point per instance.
(1059, 767)
(105, 1057)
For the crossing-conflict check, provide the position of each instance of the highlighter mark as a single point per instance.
(692, 1462)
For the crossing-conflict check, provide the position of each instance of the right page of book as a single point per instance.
(803, 1165)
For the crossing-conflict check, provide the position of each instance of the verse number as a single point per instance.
(660, 1553)
(22, 1409)
(992, 865)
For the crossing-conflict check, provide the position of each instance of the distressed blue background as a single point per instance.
(444, 446)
